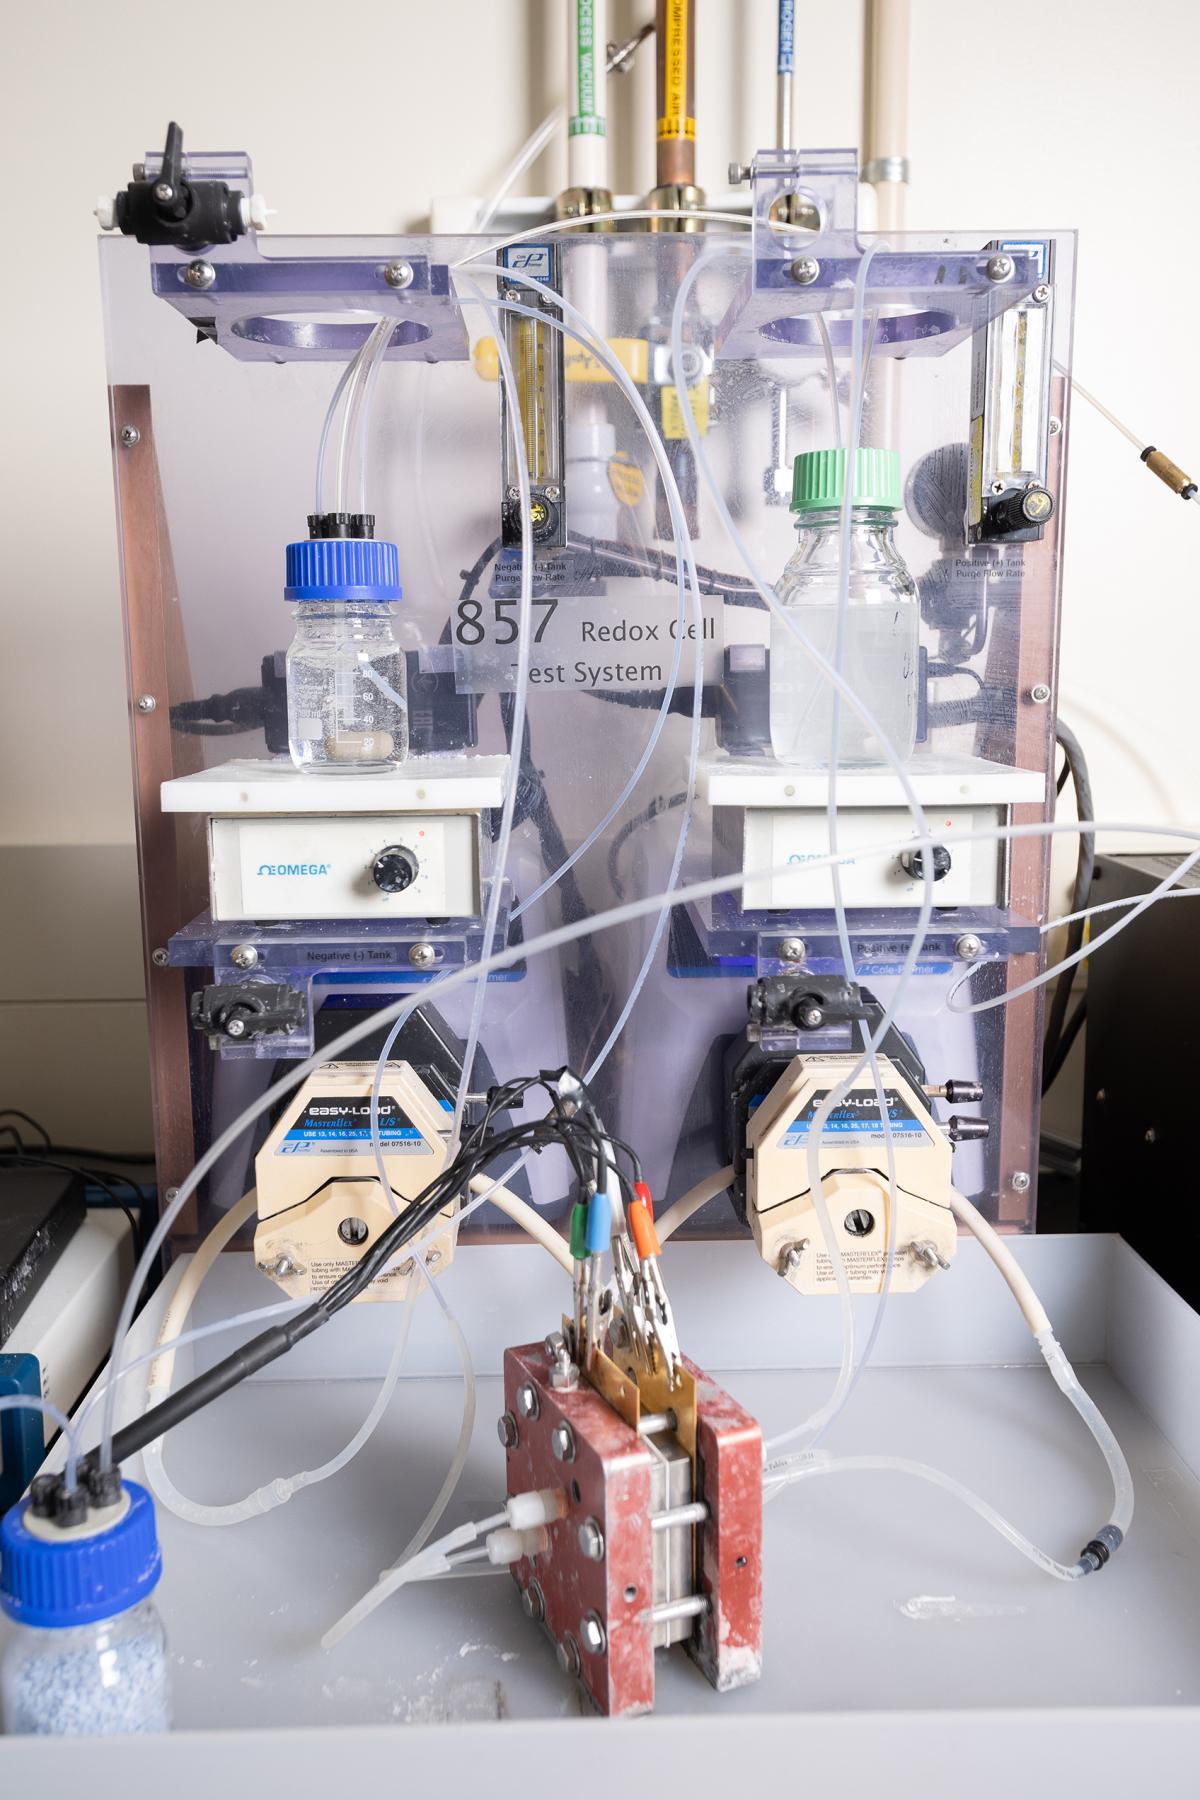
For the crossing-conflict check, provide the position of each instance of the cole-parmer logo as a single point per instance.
(293, 868)
(529, 259)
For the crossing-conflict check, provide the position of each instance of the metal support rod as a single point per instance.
(654, 1424)
(694, 1513)
(689, 1607)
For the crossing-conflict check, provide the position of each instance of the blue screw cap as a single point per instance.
(81, 1579)
(343, 568)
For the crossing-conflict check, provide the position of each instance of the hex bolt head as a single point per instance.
(506, 1430)
(159, 958)
(1000, 268)
(592, 1634)
(591, 1541)
(200, 275)
(421, 956)
(243, 956)
(568, 1655)
(528, 1404)
(533, 1602)
(805, 270)
(146, 703)
(968, 946)
(130, 435)
(562, 1442)
(553, 1343)
(1020, 1182)
(398, 274)
(1039, 693)
(792, 949)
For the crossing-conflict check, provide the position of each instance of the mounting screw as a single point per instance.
(568, 1655)
(506, 1430)
(968, 946)
(591, 1630)
(552, 491)
(792, 950)
(1020, 1182)
(738, 172)
(164, 192)
(528, 1404)
(422, 955)
(1151, 1136)
(234, 1026)
(591, 1541)
(283, 1265)
(398, 274)
(533, 1602)
(200, 275)
(1041, 293)
(811, 1017)
(1000, 268)
(145, 703)
(1055, 426)
(159, 958)
(1101, 1096)
(562, 1442)
(790, 1257)
(171, 1194)
(130, 435)
(243, 956)
(804, 270)
(1039, 693)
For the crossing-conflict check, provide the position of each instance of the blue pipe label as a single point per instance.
(342, 1127)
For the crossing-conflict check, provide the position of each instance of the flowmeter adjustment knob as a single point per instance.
(913, 863)
(394, 869)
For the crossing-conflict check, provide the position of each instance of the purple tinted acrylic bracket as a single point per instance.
(805, 256)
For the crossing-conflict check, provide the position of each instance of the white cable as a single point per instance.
(527, 1217)
(1019, 1283)
(692, 1201)
(529, 152)
(1089, 912)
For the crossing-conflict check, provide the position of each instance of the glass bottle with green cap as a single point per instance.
(879, 639)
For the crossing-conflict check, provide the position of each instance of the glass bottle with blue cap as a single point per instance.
(346, 675)
(87, 1655)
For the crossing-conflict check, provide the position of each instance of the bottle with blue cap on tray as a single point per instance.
(347, 687)
(880, 639)
(88, 1655)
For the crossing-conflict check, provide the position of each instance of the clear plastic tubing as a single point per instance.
(372, 354)
(35, 1403)
(609, 920)
(842, 689)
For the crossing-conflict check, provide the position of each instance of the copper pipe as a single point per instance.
(675, 66)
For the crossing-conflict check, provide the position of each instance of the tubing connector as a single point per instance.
(1160, 464)
(1106, 1543)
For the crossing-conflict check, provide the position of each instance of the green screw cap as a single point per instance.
(819, 479)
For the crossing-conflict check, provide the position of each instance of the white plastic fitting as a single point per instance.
(540, 1506)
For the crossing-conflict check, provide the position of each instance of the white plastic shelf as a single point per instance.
(275, 785)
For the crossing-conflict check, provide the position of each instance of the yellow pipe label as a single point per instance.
(676, 121)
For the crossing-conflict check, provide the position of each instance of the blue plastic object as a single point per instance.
(343, 569)
(83, 1578)
(22, 1429)
(599, 1226)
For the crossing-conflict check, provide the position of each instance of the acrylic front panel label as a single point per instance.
(620, 638)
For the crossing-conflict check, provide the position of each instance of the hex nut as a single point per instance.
(562, 1442)
(528, 1404)
(591, 1541)
(592, 1633)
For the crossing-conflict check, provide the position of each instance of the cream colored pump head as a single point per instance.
(854, 1166)
(320, 1201)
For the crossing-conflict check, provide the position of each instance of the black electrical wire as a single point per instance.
(1085, 811)
(577, 1131)
(53, 1149)
(656, 807)
(1070, 1032)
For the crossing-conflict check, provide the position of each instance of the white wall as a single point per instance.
(1078, 113)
